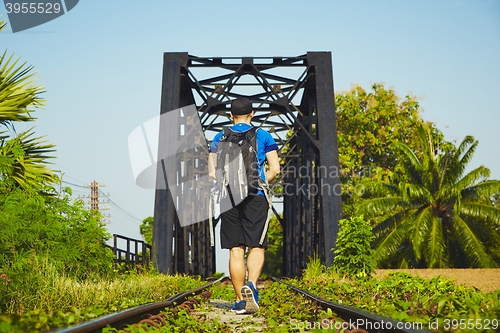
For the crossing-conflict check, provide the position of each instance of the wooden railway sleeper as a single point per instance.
(158, 320)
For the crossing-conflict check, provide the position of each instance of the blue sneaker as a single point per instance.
(250, 294)
(239, 306)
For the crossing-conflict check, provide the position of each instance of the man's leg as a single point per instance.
(255, 263)
(254, 214)
(237, 269)
(254, 223)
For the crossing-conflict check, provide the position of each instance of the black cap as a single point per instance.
(240, 106)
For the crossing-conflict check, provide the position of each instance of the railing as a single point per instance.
(135, 252)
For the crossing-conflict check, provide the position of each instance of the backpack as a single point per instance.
(237, 168)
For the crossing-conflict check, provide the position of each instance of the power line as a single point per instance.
(73, 172)
(73, 184)
(123, 210)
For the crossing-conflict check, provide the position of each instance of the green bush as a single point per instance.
(353, 254)
(47, 233)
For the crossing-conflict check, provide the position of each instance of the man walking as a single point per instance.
(244, 224)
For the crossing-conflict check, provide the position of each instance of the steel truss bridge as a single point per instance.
(293, 99)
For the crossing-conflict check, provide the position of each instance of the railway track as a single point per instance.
(148, 313)
(348, 319)
(357, 320)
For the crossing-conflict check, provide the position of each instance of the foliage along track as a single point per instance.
(154, 315)
(149, 314)
(348, 316)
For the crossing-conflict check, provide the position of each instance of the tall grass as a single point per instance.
(48, 290)
(317, 272)
(314, 269)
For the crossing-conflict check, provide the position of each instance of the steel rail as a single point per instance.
(135, 314)
(352, 315)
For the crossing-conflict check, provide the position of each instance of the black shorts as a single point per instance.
(245, 223)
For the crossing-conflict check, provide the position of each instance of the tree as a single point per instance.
(433, 213)
(369, 125)
(146, 229)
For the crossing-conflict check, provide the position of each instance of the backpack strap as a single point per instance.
(264, 187)
(211, 209)
(252, 130)
(224, 182)
(227, 130)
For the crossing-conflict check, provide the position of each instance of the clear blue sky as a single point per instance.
(101, 64)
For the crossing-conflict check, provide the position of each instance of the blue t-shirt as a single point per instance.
(265, 144)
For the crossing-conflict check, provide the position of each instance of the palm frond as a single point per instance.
(382, 229)
(412, 157)
(420, 230)
(466, 150)
(460, 158)
(377, 206)
(390, 244)
(434, 248)
(473, 177)
(25, 160)
(413, 166)
(425, 138)
(472, 245)
(415, 193)
(378, 188)
(445, 170)
(481, 212)
(18, 94)
(484, 190)
(456, 189)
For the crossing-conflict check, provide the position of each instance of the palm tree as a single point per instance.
(23, 161)
(434, 214)
(23, 157)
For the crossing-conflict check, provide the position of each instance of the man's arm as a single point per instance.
(212, 161)
(274, 165)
